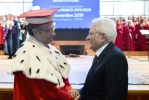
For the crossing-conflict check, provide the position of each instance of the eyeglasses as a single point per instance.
(49, 30)
(91, 33)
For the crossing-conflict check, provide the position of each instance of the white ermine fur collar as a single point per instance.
(37, 61)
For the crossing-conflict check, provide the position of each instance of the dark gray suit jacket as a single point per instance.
(107, 78)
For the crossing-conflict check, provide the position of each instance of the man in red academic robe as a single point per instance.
(40, 70)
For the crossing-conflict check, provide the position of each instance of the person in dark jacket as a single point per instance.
(107, 78)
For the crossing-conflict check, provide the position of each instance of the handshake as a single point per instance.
(74, 94)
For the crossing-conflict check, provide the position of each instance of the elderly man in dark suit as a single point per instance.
(107, 78)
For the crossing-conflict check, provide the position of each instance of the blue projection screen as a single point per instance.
(72, 13)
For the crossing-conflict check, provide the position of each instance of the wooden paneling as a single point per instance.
(8, 95)
(138, 97)
(1, 52)
(6, 91)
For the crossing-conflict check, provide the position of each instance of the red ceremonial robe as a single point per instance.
(131, 38)
(119, 38)
(1, 36)
(141, 41)
(39, 89)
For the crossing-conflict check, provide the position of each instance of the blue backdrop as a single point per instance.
(72, 13)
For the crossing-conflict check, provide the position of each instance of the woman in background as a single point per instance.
(119, 38)
(1, 36)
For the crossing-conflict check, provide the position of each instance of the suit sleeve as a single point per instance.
(80, 91)
(41, 89)
(116, 78)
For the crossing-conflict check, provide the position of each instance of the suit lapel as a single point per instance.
(99, 59)
(95, 63)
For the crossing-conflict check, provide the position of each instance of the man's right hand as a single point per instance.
(75, 94)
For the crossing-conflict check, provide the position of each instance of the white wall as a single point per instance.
(15, 7)
(108, 8)
(125, 8)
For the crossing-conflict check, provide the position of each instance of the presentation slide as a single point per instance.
(72, 13)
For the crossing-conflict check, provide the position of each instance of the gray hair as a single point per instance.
(107, 26)
(31, 27)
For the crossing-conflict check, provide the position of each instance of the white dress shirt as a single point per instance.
(98, 52)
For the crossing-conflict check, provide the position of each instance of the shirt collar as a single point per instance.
(33, 38)
(98, 52)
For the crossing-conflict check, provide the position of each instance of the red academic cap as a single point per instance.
(39, 17)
